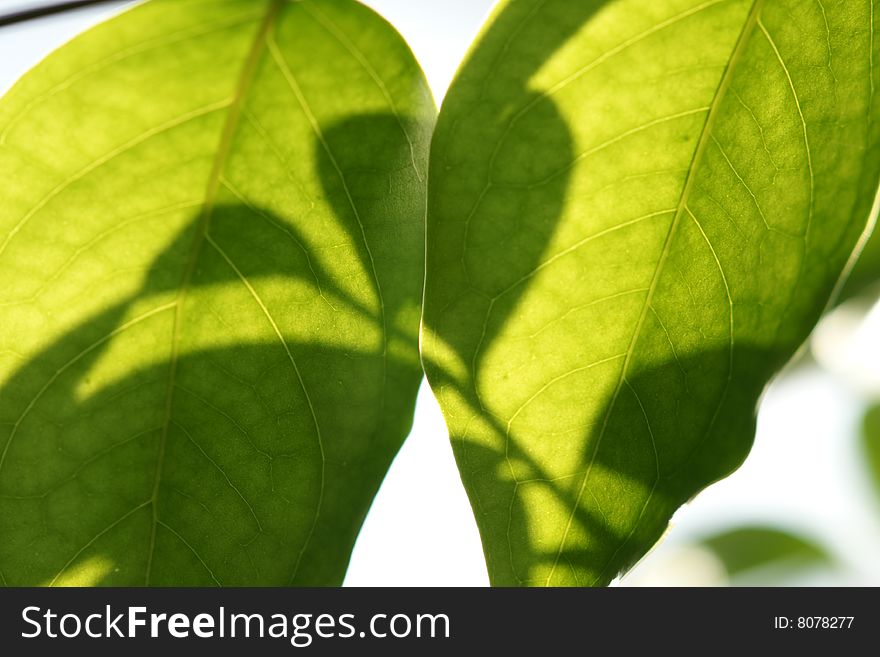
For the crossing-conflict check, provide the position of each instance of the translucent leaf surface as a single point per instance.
(211, 246)
(637, 212)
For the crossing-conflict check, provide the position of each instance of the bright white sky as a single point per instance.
(804, 472)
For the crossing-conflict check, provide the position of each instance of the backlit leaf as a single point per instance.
(637, 212)
(211, 246)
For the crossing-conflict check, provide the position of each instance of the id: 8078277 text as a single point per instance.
(813, 622)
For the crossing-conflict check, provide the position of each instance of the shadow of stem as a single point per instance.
(229, 422)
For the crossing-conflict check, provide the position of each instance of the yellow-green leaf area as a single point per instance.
(637, 212)
(211, 246)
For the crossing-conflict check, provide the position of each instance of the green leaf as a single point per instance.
(864, 279)
(746, 549)
(211, 239)
(871, 444)
(637, 212)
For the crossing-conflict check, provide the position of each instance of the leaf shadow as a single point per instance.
(505, 236)
(608, 535)
(244, 456)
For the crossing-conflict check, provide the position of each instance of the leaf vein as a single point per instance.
(213, 185)
(337, 33)
(73, 361)
(797, 103)
(617, 138)
(97, 536)
(574, 247)
(191, 549)
(302, 384)
(742, 182)
(724, 84)
(223, 473)
(107, 157)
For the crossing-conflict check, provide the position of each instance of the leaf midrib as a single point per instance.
(705, 135)
(213, 185)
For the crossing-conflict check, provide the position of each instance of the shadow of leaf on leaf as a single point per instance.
(230, 422)
(565, 491)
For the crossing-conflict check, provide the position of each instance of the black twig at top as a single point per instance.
(51, 10)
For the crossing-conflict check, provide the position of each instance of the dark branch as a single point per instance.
(51, 10)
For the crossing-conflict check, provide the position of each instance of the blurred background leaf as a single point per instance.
(871, 443)
(864, 279)
(746, 549)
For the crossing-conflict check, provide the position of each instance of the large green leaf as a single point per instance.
(211, 239)
(637, 211)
